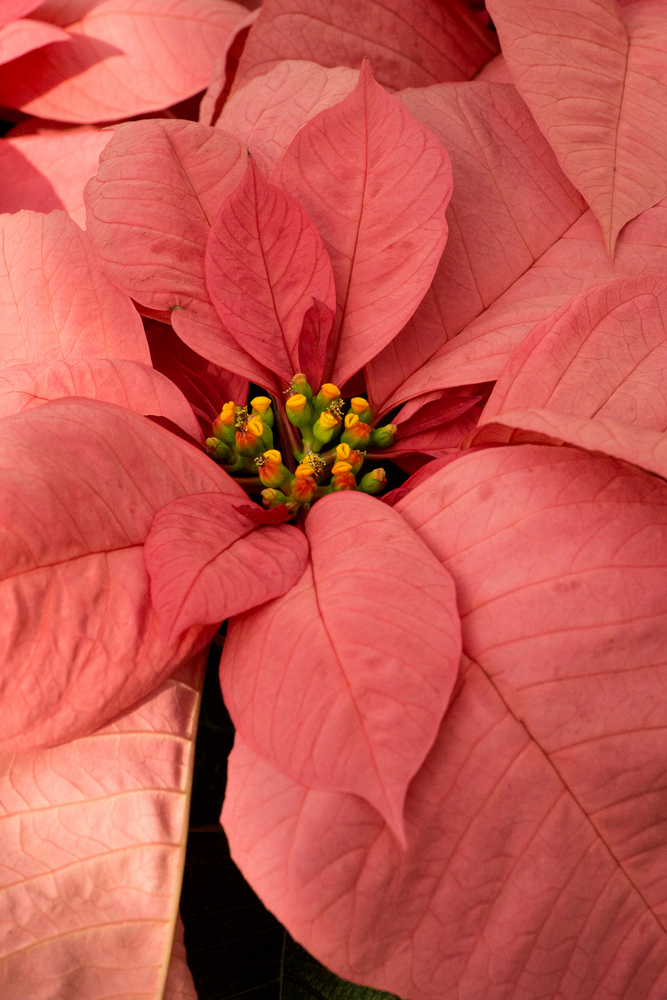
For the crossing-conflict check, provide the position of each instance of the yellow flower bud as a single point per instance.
(328, 421)
(303, 471)
(297, 403)
(350, 420)
(330, 391)
(358, 404)
(228, 413)
(343, 452)
(255, 426)
(261, 404)
(341, 467)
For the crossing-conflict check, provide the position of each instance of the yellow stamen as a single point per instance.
(273, 455)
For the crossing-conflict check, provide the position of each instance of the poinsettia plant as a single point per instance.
(445, 249)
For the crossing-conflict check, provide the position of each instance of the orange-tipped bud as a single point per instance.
(273, 456)
(341, 467)
(356, 433)
(303, 471)
(271, 470)
(328, 421)
(255, 426)
(297, 403)
(345, 481)
(304, 488)
(358, 404)
(260, 404)
(325, 396)
(373, 482)
(343, 452)
(330, 391)
(228, 413)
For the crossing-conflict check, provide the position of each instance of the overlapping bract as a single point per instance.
(495, 834)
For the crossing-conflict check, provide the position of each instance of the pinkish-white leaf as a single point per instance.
(179, 984)
(602, 354)
(411, 43)
(125, 383)
(342, 683)
(208, 562)
(92, 838)
(378, 198)
(594, 74)
(150, 209)
(510, 203)
(268, 111)
(124, 57)
(55, 302)
(536, 852)
(265, 264)
(49, 170)
(80, 483)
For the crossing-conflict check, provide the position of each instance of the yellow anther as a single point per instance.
(343, 452)
(261, 404)
(328, 421)
(273, 455)
(255, 426)
(358, 404)
(351, 420)
(330, 391)
(228, 413)
(303, 471)
(341, 467)
(297, 403)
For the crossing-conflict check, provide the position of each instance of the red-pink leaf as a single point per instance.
(378, 200)
(12, 10)
(208, 562)
(48, 171)
(594, 74)
(55, 302)
(204, 384)
(124, 57)
(217, 91)
(342, 683)
(510, 203)
(179, 984)
(536, 852)
(92, 837)
(268, 111)
(639, 445)
(603, 354)
(150, 208)
(265, 263)
(574, 263)
(80, 483)
(19, 37)
(411, 43)
(316, 355)
(125, 383)
(258, 515)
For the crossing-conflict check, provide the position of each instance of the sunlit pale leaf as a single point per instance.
(92, 837)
